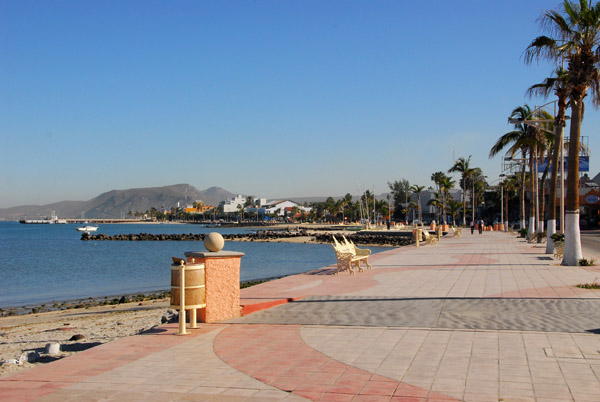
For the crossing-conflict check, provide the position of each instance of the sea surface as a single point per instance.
(49, 263)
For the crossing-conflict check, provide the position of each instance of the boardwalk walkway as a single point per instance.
(478, 318)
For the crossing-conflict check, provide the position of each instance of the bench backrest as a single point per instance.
(342, 248)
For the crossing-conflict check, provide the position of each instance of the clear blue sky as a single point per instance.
(270, 98)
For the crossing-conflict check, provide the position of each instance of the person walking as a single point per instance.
(472, 227)
(481, 226)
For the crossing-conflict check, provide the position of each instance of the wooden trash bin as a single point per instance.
(194, 295)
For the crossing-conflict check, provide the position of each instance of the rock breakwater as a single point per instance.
(369, 238)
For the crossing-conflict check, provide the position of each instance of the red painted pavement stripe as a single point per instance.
(44, 379)
(278, 356)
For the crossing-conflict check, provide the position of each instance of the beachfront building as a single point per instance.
(283, 207)
(234, 204)
(198, 207)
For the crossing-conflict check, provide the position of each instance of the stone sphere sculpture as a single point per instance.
(214, 242)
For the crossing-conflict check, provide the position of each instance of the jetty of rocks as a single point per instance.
(394, 239)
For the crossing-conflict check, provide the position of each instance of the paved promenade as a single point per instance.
(477, 318)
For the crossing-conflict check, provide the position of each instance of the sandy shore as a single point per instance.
(100, 324)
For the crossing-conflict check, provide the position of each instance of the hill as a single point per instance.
(117, 203)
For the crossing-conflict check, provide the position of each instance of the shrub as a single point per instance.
(540, 237)
(593, 285)
(558, 237)
(523, 233)
(587, 263)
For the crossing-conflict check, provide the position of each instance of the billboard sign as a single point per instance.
(584, 164)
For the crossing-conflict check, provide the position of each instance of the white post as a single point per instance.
(182, 330)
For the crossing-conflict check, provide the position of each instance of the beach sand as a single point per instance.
(100, 324)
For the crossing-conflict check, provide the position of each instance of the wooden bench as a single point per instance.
(429, 239)
(360, 252)
(456, 231)
(347, 259)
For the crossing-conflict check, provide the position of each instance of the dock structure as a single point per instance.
(99, 221)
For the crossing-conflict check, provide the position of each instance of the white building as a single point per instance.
(280, 207)
(233, 204)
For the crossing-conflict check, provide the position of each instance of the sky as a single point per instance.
(267, 98)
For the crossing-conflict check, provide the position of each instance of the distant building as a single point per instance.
(232, 205)
(198, 207)
(281, 207)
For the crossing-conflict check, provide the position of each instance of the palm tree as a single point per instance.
(454, 208)
(511, 186)
(417, 190)
(559, 86)
(445, 186)
(577, 41)
(462, 166)
(441, 180)
(437, 203)
(478, 185)
(520, 141)
(412, 206)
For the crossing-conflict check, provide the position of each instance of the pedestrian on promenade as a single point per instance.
(472, 227)
(481, 226)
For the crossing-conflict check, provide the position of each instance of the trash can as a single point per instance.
(195, 289)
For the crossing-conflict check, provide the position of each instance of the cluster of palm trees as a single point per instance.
(472, 182)
(573, 41)
(366, 208)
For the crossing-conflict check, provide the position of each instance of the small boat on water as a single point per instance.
(87, 228)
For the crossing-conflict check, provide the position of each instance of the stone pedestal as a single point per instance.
(222, 281)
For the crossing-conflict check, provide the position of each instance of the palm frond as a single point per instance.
(542, 48)
(543, 89)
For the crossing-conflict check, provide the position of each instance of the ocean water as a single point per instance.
(49, 263)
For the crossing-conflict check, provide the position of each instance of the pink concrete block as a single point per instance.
(222, 281)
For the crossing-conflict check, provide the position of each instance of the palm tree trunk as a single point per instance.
(559, 129)
(539, 197)
(523, 226)
(532, 181)
(542, 198)
(572, 253)
(506, 219)
(464, 197)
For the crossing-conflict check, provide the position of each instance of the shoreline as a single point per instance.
(101, 301)
(113, 299)
(78, 329)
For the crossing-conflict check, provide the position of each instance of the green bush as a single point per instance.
(540, 237)
(587, 263)
(558, 237)
(523, 233)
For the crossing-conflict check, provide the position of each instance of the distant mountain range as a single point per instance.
(117, 203)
